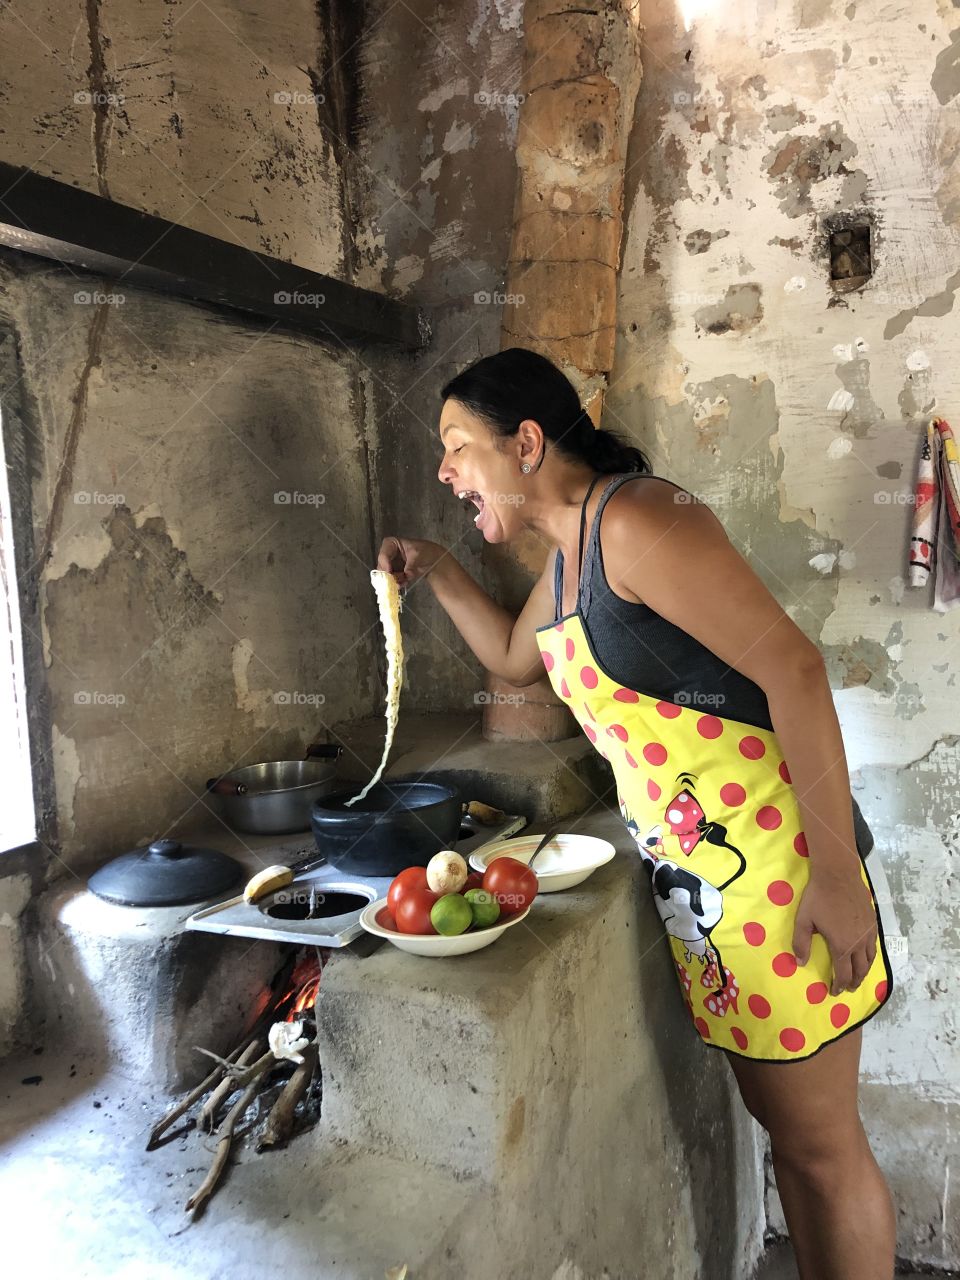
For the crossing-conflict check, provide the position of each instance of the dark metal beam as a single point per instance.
(50, 219)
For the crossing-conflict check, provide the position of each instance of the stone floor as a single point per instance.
(778, 1264)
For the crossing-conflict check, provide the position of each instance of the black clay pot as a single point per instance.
(397, 824)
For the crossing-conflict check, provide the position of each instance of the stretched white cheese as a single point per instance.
(388, 600)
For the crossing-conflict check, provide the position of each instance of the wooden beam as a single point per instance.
(50, 219)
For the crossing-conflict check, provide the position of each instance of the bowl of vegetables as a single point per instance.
(445, 910)
(564, 861)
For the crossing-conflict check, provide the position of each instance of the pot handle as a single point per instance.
(224, 787)
(324, 751)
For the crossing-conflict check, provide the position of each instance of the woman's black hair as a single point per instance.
(514, 384)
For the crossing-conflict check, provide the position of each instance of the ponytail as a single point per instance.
(505, 388)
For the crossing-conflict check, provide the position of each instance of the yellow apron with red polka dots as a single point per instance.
(711, 807)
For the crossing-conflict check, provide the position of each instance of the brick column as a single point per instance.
(581, 74)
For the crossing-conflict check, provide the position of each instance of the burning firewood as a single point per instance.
(283, 1036)
(206, 1188)
(280, 1121)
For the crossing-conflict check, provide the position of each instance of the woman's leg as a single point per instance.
(837, 1205)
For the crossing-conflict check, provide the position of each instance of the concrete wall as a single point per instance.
(181, 586)
(750, 128)
(434, 224)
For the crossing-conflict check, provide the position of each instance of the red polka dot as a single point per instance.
(669, 709)
(783, 771)
(739, 1037)
(752, 748)
(564, 689)
(589, 677)
(881, 990)
(654, 753)
(590, 732)
(625, 695)
(800, 844)
(817, 992)
(570, 649)
(839, 1014)
(586, 707)
(792, 1038)
(548, 660)
(759, 1007)
(559, 626)
(709, 727)
(619, 731)
(732, 793)
(754, 933)
(653, 791)
(702, 1027)
(785, 964)
(630, 760)
(780, 893)
(769, 817)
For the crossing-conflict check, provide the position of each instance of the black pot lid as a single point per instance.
(166, 874)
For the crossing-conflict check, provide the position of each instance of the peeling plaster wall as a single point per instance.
(206, 114)
(191, 617)
(731, 350)
(434, 205)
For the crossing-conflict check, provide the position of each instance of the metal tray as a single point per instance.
(237, 918)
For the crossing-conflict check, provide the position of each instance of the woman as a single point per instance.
(716, 715)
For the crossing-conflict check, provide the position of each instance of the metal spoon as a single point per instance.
(552, 831)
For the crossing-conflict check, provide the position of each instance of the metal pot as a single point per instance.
(400, 823)
(275, 798)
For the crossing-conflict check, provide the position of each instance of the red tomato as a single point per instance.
(411, 878)
(413, 913)
(474, 881)
(512, 883)
(385, 919)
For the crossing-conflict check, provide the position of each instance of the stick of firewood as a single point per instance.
(226, 1086)
(280, 1121)
(193, 1096)
(207, 1187)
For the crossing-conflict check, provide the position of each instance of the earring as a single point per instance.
(525, 468)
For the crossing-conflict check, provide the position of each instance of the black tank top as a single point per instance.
(642, 650)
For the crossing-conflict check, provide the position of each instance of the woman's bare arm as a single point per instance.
(506, 645)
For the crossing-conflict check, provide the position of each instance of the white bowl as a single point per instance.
(435, 944)
(567, 860)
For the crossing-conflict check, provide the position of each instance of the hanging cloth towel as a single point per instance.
(935, 536)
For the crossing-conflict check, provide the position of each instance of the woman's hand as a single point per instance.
(837, 904)
(409, 558)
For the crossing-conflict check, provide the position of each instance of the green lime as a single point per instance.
(485, 907)
(451, 914)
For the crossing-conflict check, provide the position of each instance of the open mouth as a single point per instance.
(471, 495)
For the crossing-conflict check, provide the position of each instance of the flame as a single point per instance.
(304, 987)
